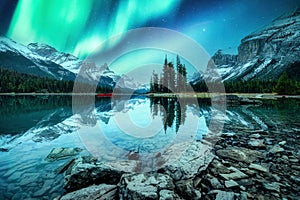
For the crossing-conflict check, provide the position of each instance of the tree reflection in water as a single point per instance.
(172, 111)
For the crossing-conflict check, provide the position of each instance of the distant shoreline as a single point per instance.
(182, 95)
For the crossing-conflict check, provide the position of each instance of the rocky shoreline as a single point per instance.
(243, 164)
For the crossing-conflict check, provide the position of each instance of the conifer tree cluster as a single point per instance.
(13, 81)
(171, 79)
(284, 85)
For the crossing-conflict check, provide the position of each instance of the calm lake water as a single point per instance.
(31, 126)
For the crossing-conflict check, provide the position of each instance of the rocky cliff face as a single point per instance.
(280, 37)
(224, 59)
(266, 53)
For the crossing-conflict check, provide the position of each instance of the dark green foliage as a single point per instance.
(253, 86)
(170, 80)
(285, 85)
(12, 81)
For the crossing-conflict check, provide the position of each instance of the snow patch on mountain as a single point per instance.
(66, 60)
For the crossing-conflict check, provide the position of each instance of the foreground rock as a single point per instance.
(99, 192)
(240, 154)
(194, 160)
(147, 186)
(233, 169)
(174, 181)
(243, 170)
(87, 171)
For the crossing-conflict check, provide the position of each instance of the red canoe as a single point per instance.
(104, 95)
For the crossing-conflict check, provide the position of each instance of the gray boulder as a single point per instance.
(86, 172)
(99, 192)
(146, 186)
(195, 159)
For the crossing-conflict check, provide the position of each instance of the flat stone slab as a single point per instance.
(258, 167)
(62, 153)
(146, 186)
(240, 154)
(99, 192)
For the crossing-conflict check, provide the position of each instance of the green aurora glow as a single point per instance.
(79, 26)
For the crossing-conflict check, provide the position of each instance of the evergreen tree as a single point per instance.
(179, 75)
(184, 79)
(285, 85)
(155, 82)
(151, 84)
(171, 74)
(165, 76)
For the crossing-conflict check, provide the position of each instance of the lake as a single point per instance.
(31, 126)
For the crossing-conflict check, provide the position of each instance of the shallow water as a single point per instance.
(31, 126)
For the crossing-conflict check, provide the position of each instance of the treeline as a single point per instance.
(254, 86)
(284, 85)
(13, 81)
(170, 80)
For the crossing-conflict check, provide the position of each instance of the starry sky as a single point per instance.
(79, 26)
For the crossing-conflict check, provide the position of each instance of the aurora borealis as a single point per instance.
(78, 26)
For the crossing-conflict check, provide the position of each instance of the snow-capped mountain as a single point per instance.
(66, 60)
(44, 60)
(264, 54)
(103, 76)
(20, 58)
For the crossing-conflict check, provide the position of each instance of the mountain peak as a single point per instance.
(290, 14)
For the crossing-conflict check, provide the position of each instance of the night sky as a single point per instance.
(79, 26)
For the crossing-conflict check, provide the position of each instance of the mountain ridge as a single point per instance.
(45, 61)
(264, 54)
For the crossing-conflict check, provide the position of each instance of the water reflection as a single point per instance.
(21, 112)
(173, 112)
(31, 126)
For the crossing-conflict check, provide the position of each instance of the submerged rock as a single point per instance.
(62, 153)
(65, 166)
(4, 150)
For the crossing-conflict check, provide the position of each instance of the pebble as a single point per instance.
(222, 195)
(282, 143)
(258, 167)
(256, 143)
(276, 149)
(234, 175)
(272, 186)
(256, 135)
(231, 183)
